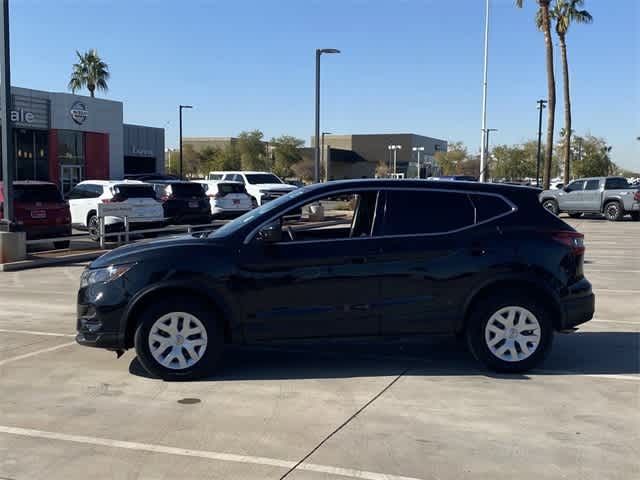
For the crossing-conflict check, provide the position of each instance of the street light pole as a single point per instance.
(541, 104)
(486, 150)
(180, 115)
(484, 91)
(8, 165)
(319, 52)
(395, 149)
(418, 150)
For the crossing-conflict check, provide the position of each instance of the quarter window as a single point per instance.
(615, 183)
(415, 212)
(488, 207)
(575, 186)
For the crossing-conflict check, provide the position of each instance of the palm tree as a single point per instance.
(90, 72)
(564, 13)
(544, 23)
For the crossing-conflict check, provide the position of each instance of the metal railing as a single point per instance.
(125, 235)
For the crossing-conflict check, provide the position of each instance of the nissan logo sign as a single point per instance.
(79, 112)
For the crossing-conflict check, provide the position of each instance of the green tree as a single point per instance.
(566, 12)
(543, 22)
(286, 153)
(595, 159)
(304, 169)
(252, 150)
(451, 161)
(90, 72)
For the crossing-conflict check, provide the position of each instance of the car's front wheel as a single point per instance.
(179, 339)
(510, 333)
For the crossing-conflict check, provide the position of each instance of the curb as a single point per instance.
(46, 262)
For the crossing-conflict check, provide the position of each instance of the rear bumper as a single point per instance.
(578, 307)
(46, 231)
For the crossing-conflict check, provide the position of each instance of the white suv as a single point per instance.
(228, 199)
(262, 186)
(85, 197)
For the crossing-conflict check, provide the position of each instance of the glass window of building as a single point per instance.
(31, 154)
(70, 147)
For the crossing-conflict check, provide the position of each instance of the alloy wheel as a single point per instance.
(177, 340)
(612, 211)
(512, 334)
(551, 206)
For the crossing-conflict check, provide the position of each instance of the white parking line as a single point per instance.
(225, 457)
(597, 320)
(33, 354)
(33, 332)
(612, 376)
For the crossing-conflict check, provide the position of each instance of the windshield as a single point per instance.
(232, 227)
(258, 178)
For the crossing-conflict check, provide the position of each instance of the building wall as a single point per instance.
(199, 143)
(141, 141)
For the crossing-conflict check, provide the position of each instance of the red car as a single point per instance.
(40, 210)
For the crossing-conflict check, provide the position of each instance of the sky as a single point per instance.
(407, 66)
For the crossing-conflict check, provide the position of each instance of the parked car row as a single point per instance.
(155, 200)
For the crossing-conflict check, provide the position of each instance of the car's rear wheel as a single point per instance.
(510, 333)
(93, 227)
(179, 339)
(613, 212)
(575, 214)
(552, 206)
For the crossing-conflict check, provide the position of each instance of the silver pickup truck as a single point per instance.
(611, 196)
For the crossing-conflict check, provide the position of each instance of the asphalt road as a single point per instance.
(396, 410)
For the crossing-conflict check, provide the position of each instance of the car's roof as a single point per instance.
(166, 181)
(32, 182)
(111, 182)
(422, 183)
(218, 181)
(239, 172)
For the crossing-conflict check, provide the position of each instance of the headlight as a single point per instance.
(106, 274)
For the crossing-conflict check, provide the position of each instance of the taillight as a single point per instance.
(636, 196)
(574, 240)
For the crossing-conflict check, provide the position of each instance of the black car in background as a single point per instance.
(482, 261)
(183, 202)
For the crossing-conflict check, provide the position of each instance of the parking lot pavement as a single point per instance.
(418, 409)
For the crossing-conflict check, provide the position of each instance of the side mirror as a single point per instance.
(271, 233)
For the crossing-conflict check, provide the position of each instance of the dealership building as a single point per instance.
(65, 138)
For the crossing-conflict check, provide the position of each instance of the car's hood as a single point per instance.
(275, 186)
(147, 249)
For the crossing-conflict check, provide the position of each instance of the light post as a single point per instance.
(180, 108)
(319, 53)
(8, 165)
(325, 158)
(395, 149)
(484, 91)
(541, 104)
(487, 131)
(418, 150)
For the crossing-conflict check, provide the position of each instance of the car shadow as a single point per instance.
(581, 353)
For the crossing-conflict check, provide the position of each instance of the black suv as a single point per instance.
(390, 257)
(184, 202)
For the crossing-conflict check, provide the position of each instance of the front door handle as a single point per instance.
(359, 260)
(478, 250)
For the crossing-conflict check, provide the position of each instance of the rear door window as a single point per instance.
(592, 185)
(489, 206)
(36, 193)
(417, 212)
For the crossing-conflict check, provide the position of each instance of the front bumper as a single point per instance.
(99, 314)
(579, 306)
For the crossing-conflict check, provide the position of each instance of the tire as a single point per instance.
(552, 206)
(61, 244)
(575, 214)
(93, 227)
(173, 314)
(635, 216)
(482, 332)
(613, 211)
